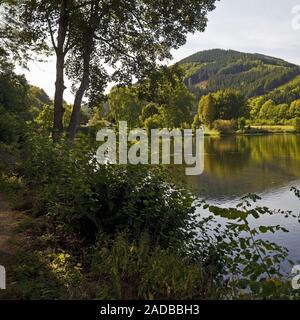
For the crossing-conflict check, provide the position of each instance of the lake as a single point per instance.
(266, 165)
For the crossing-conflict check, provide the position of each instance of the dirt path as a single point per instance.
(9, 220)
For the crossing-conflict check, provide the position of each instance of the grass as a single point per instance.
(211, 132)
(256, 129)
(273, 128)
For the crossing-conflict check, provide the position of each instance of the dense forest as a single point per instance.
(252, 74)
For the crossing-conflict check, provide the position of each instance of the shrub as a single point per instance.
(225, 126)
(67, 183)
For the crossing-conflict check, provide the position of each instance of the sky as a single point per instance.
(257, 26)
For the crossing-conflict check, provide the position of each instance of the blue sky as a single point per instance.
(257, 26)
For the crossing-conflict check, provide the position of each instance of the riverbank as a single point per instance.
(271, 129)
(254, 130)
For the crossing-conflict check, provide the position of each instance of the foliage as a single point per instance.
(225, 126)
(277, 114)
(94, 198)
(97, 120)
(156, 121)
(297, 124)
(271, 84)
(161, 101)
(107, 233)
(14, 104)
(44, 120)
(207, 110)
(221, 109)
(90, 37)
(148, 111)
(252, 74)
(242, 123)
(134, 270)
(230, 104)
(252, 263)
(196, 123)
(124, 105)
(166, 89)
(38, 99)
(278, 106)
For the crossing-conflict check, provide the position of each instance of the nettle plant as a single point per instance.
(252, 266)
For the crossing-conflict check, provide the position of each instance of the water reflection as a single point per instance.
(265, 165)
(235, 166)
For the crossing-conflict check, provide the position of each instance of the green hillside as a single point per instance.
(286, 93)
(252, 74)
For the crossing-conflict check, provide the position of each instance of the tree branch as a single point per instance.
(114, 47)
(51, 34)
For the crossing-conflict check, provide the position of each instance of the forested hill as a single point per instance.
(252, 74)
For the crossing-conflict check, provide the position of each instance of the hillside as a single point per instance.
(252, 74)
(286, 93)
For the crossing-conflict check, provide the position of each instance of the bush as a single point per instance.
(67, 183)
(225, 126)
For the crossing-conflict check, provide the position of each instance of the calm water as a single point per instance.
(265, 165)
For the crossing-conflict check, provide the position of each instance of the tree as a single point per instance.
(96, 117)
(196, 122)
(129, 36)
(148, 111)
(297, 124)
(207, 110)
(255, 106)
(180, 105)
(38, 100)
(266, 110)
(242, 123)
(165, 89)
(141, 33)
(281, 112)
(45, 118)
(154, 122)
(124, 105)
(14, 103)
(294, 109)
(41, 22)
(230, 104)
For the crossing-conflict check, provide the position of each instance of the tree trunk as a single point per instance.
(87, 53)
(58, 98)
(60, 66)
(75, 117)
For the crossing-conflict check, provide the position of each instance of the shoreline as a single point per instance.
(256, 131)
